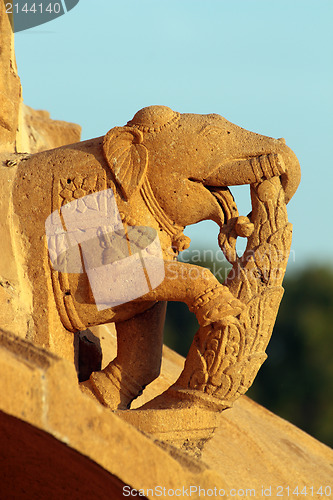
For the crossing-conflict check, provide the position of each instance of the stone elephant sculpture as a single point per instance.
(167, 170)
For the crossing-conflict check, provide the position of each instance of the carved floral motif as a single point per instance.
(226, 355)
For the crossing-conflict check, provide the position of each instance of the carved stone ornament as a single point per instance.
(104, 220)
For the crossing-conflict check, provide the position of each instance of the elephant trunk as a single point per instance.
(281, 161)
(291, 178)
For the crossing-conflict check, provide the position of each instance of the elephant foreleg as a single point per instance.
(199, 289)
(138, 361)
(140, 339)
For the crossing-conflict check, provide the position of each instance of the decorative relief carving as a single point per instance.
(66, 190)
(166, 171)
(226, 355)
(70, 189)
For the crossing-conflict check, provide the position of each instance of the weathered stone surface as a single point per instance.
(22, 129)
(38, 132)
(36, 465)
(41, 389)
(15, 291)
(10, 87)
(251, 447)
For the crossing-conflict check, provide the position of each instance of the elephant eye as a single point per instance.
(212, 132)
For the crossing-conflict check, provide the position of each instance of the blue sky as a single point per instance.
(264, 65)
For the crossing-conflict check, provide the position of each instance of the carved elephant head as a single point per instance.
(185, 156)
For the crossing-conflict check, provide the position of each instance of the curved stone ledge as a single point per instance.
(41, 402)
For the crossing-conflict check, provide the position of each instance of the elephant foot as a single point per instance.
(215, 304)
(87, 388)
(112, 387)
(177, 397)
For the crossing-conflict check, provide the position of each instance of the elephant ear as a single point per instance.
(126, 157)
